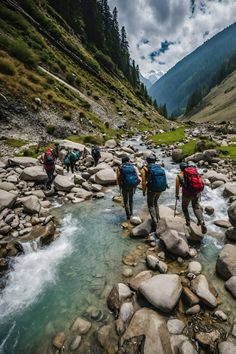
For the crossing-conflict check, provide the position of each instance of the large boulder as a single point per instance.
(177, 155)
(195, 157)
(175, 243)
(230, 190)
(63, 183)
(226, 262)
(230, 285)
(7, 186)
(31, 204)
(227, 348)
(213, 176)
(200, 287)
(81, 193)
(210, 154)
(169, 222)
(232, 213)
(45, 233)
(94, 169)
(106, 157)
(34, 174)
(147, 329)
(7, 199)
(136, 281)
(22, 161)
(142, 230)
(119, 293)
(64, 144)
(111, 144)
(105, 177)
(162, 291)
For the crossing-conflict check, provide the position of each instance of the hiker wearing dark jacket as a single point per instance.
(96, 154)
(69, 161)
(189, 194)
(49, 165)
(127, 179)
(153, 183)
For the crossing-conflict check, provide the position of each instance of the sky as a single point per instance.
(162, 32)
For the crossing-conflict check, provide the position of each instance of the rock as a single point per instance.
(7, 199)
(96, 187)
(31, 205)
(171, 223)
(195, 157)
(101, 166)
(142, 230)
(227, 347)
(4, 229)
(136, 281)
(221, 315)
(127, 272)
(63, 183)
(175, 243)
(75, 343)
(119, 293)
(106, 157)
(191, 298)
(177, 155)
(225, 224)
(105, 177)
(148, 330)
(34, 173)
(3, 264)
(82, 193)
(22, 161)
(195, 233)
(209, 210)
(166, 299)
(215, 176)
(194, 268)
(162, 267)
(200, 287)
(81, 325)
(126, 312)
(44, 233)
(78, 179)
(217, 184)
(230, 190)
(135, 220)
(208, 339)
(111, 144)
(38, 193)
(232, 213)
(59, 340)
(175, 326)
(230, 285)
(193, 310)
(226, 262)
(7, 186)
(187, 348)
(152, 261)
(117, 199)
(99, 195)
(231, 233)
(176, 341)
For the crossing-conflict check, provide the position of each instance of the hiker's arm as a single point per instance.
(177, 186)
(137, 173)
(144, 181)
(118, 177)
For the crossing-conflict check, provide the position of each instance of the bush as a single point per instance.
(93, 139)
(105, 60)
(6, 67)
(70, 78)
(51, 128)
(67, 116)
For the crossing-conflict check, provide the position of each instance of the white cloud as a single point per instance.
(171, 20)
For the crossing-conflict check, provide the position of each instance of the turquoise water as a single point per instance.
(72, 277)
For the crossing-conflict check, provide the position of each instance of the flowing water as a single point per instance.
(48, 288)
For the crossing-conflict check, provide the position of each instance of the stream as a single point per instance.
(49, 288)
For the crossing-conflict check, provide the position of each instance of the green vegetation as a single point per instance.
(228, 151)
(189, 148)
(67, 116)
(169, 137)
(50, 128)
(6, 67)
(86, 139)
(16, 143)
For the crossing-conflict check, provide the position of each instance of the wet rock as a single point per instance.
(221, 315)
(194, 268)
(230, 190)
(142, 230)
(96, 187)
(227, 347)
(75, 343)
(105, 177)
(230, 285)
(195, 233)
(117, 199)
(217, 184)
(190, 297)
(225, 224)
(192, 252)
(81, 193)
(136, 281)
(127, 272)
(175, 326)
(31, 205)
(166, 299)
(215, 176)
(152, 261)
(226, 262)
(162, 267)
(3, 264)
(232, 213)
(44, 233)
(177, 155)
(63, 183)
(200, 287)
(231, 233)
(59, 340)
(125, 315)
(81, 325)
(149, 329)
(119, 293)
(7, 199)
(105, 337)
(193, 310)
(34, 173)
(175, 243)
(22, 161)
(135, 220)
(99, 195)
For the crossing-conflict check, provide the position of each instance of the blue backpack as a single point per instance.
(157, 178)
(128, 174)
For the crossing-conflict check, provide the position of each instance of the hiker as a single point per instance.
(55, 151)
(96, 154)
(192, 186)
(49, 165)
(154, 182)
(127, 179)
(75, 157)
(69, 161)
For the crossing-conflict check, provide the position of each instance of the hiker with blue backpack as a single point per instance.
(192, 185)
(96, 154)
(154, 182)
(127, 179)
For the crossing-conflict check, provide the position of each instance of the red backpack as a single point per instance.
(48, 157)
(193, 182)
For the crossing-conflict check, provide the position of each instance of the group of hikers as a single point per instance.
(154, 182)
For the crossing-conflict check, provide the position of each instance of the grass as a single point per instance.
(228, 152)
(169, 137)
(86, 139)
(189, 148)
(16, 143)
(6, 67)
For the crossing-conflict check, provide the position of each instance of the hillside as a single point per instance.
(195, 70)
(219, 105)
(53, 82)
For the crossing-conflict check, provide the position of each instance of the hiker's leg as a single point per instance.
(197, 209)
(125, 201)
(185, 204)
(72, 167)
(151, 207)
(131, 197)
(68, 168)
(157, 196)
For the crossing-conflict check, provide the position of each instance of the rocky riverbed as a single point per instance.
(170, 304)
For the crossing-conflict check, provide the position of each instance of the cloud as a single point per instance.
(162, 32)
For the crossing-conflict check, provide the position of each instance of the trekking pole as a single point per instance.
(176, 201)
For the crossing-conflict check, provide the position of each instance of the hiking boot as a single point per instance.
(203, 228)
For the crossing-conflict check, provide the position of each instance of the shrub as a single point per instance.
(105, 60)
(6, 67)
(112, 99)
(70, 78)
(93, 139)
(96, 96)
(15, 142)
(50, 128)
(67, 116)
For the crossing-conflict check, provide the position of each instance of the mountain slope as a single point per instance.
(196, 69)
(219, 104)
(34, 103)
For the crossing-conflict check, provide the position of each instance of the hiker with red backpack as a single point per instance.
(49, 165)
(127, 179)
(192, 186)
(154, 182)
